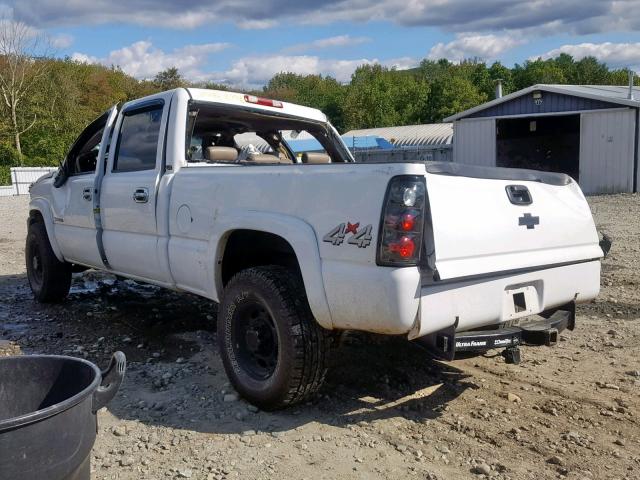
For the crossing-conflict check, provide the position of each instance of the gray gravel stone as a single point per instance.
(482, 469)
(230, 397)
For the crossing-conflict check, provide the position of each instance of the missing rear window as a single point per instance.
(219, 134)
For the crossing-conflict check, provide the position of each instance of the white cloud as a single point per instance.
(615, 55)
(62, 41)
(256, 24)
(84, 58)
(330, 42)
(486, 47)
(143, 60)
(257, 71)
(401, 63)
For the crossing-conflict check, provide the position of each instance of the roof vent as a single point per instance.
(630, 96)
(498, 88)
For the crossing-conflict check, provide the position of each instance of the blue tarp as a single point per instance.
(369, 141)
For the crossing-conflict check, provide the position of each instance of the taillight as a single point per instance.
(400, 239)
(408, 222)
(267, 102)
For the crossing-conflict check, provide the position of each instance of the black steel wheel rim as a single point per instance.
(35, 264)
(255, 340)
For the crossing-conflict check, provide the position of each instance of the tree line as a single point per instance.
(378, 96)
(46, 102)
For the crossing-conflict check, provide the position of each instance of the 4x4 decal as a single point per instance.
(359, 236)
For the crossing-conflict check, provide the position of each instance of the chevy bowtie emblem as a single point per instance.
(529, 221)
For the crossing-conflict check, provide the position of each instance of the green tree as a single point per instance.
(538, 71)
(449, 96)
(317, 91)
(18, 74)
(381, 97)
(589, 71)
(169, 79)
(497, 71)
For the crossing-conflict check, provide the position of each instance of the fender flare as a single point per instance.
(42, 206)
(299, 234)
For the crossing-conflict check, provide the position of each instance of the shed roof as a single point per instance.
(608, 93)
(409, 135)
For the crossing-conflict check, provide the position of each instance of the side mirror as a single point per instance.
(61, 176)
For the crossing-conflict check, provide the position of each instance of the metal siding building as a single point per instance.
(431, 134)
(588, 131)
(428, 142)
(474, 142)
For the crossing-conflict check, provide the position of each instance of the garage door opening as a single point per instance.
(541, 143)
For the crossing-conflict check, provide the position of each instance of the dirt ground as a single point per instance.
(387, 410)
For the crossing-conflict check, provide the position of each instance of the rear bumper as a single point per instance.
(447, 343)
(393, 301)
(471, 304)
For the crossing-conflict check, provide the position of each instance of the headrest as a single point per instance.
(315, 158)
(221, 154)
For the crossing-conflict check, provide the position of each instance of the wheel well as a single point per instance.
(252, 248)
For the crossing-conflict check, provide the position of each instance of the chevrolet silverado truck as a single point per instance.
(202, 191)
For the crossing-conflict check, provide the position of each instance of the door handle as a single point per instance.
(86, 194)
(141, 195)
(519, 194)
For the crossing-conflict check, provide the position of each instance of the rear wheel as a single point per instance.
(273, 350)
(49, 278)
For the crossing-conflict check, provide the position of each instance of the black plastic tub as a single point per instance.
(48, 420)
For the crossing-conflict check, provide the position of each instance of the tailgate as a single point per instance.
(478, 229)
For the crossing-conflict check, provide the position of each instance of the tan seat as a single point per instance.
(315, 158)
(221, 154)
(266, 158)
(284, 158)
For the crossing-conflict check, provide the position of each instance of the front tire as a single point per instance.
(49, 278)
(274, 352)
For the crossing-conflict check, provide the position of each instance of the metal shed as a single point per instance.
(587, 131)
(428, 142)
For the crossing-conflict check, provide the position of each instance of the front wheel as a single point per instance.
(274, 352)
(49, 278)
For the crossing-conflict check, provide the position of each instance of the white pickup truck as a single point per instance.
(203, 191)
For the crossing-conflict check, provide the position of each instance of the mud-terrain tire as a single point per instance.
(49, 278)
(274, 352)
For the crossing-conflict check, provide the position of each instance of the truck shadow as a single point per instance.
(175, 377)
(371, 378)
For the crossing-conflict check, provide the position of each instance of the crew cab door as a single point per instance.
(128, 198)
(73, 200)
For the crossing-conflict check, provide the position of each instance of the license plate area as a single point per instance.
(520, 301)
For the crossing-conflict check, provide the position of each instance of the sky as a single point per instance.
(244, 43)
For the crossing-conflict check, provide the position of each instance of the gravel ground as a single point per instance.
(387, 411)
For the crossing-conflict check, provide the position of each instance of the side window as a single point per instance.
(84, 161)
(138, 140)
(83, 155)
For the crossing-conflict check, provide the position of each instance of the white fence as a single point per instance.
(22, 178)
